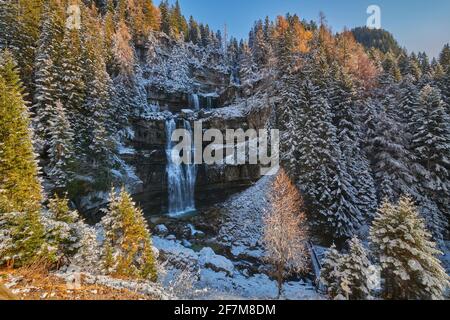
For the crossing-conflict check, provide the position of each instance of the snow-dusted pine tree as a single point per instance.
(344, 99)
(356, 265)
(21, 230)
(389, 155)
(323, 176)
(60, 147)
(72, 87)
(128, 247)
(46, 77)
(247, 65)
(331, 274)
(408, 258)
(431, 149)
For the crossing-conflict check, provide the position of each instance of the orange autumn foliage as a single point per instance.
(293, 34)
(353, 58)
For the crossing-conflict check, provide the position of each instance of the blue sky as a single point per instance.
(418, 25)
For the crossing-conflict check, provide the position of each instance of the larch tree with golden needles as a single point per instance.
(285, 231)
(128, 249)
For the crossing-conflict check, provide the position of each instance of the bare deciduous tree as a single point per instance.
(285, 231)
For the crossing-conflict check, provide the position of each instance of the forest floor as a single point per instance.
(38, 285)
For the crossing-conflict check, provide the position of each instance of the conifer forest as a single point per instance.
(94, 205)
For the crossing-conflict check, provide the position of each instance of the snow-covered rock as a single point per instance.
(194, 232)
(161, 230)
(187, 113)
(178, 255)
(208, 259)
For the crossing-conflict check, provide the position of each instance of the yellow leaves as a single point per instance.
(123, 52)
(353, 58)
(293, 35)
(282, 27)
(302, 37)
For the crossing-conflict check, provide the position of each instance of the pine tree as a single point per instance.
(344, 103)
(407, 256)
(61, 147)
(246, 65)
(444, 85)
(164, 8)
(444, 57)
(356, 265)
(72, 86)
(46, 76)
(128, 246)
(19, 22)
(390, 157)
(20, 188)
(260, 49)
(194, 31)
(331, 274)
(205, 35)
(60, 225)
(178, 24)
(409, 101)
(431, 149)
(322, 176)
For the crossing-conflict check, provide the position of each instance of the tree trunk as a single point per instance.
(280, 269)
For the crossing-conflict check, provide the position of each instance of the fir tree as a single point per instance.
(71, 80)
(431, 149)
(323, 177)
(20, 21)
(60, 228)
(390, 157)
(344, 103)
(20, 188)
(128, 246)
(408, 257)
(444, 57)
(194, 31)
(164, 8)
(60, 147)
(46, 76)
(246, 65)
(331, 274)
(356, 265)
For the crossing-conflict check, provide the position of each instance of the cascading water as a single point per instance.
(195, 101)
(181, 177)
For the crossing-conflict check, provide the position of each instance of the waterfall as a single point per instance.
(195, 101)
(181, 178)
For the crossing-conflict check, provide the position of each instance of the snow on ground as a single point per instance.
(239, 109)
(242, 225)
(218, 279)
(141, 287)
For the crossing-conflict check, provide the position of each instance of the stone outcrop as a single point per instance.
(214, 182)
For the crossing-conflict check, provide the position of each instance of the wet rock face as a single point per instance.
(150, 160)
